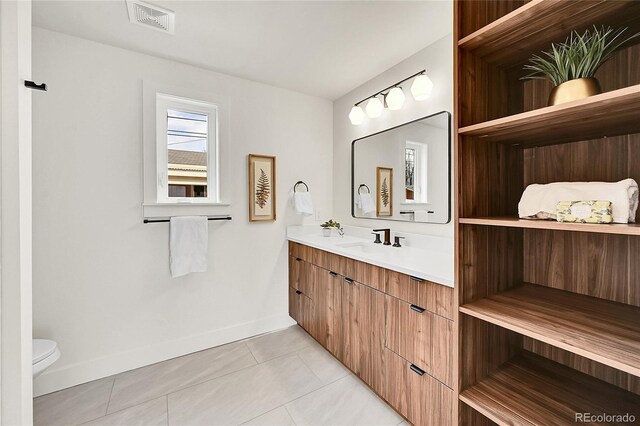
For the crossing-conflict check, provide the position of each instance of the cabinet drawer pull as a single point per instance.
(420, 280)
(298, 292)
(349, 280)
(417, 370)
(417, 308)
(298, 259)
(333, 274)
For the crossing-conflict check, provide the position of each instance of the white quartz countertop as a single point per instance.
(429, 258)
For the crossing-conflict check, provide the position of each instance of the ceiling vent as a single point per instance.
(151, 16)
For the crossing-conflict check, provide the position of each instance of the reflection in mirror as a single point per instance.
(419, 155)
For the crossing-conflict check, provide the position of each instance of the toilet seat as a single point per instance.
(42, 349)
(45, 353)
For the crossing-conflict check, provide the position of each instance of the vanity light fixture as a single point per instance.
(421, 87)
(393, 97)
(374, 107)
(356, 115)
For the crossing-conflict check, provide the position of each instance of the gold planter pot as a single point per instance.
(573, 90)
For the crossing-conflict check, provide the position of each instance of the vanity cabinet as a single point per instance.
(393, 331)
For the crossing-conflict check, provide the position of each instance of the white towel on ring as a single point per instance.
(303, 203)
(188, 244)
(539, 201)
(365, 203)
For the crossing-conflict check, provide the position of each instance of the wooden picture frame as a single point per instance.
(262, 188)
(384, 191)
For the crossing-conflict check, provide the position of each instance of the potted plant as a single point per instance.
(329, 225)
(571, 66)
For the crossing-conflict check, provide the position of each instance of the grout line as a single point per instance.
(167, 400)
(113, 385)
(289, 413)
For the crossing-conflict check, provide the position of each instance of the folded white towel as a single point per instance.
(188, 243)
(365, 203)
(303, 203)
(539, 201)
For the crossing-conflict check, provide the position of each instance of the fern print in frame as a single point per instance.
(384, 193)
(262, 188)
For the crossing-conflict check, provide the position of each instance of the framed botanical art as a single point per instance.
(384, 193)
(262, 188)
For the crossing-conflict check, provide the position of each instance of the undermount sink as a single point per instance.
(363, 247)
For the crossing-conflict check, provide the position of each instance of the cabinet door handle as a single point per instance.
(298, 292)
(420, 280)
(417, 370)
(333, 274)
(349, 280)
(417, 308)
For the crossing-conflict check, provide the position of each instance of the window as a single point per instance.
(415, 172)
(186, 150)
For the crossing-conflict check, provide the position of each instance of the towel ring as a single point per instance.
(363, 185)
(298, 183)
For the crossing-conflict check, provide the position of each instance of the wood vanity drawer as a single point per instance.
(421, 336)
(300, 251)
(416, 395)
(302, 309)
(302, 276)
(433, 297)
(370, 275)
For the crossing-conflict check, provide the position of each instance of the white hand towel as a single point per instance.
(365, 202)
(541, 200)
(188, 243)
(303, 203)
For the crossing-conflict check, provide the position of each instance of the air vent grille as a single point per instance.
(151, 16)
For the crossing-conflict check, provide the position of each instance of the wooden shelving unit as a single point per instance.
(597, 329)
(535, 354)
(531, 390)
(509, 40)
(608, 114)
(514, 222)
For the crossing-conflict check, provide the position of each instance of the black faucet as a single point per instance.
(387, 235)
(377, 241)
(397, 241)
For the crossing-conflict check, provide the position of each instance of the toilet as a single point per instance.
(45, 353)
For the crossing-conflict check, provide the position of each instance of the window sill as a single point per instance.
(163, 210)
(185, 204)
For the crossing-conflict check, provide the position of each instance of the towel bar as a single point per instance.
(168, 220)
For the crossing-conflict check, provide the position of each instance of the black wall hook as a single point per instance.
(32, 85)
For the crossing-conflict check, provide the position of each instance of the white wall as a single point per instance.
(102, 288)
(15, 212)
(438, 60)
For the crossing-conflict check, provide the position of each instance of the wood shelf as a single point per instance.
(510, 40)
(531, 390)
(607, 114)
(604, 331)
(514, 222)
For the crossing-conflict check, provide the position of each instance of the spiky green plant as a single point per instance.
(579, 56)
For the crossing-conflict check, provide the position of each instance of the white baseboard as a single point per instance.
(97, 368)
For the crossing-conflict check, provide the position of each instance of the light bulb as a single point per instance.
(356, 115)
(374, 108)
(421, 87)
(395, 98)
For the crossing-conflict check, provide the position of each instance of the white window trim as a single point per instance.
(151, 208)
(165, 102)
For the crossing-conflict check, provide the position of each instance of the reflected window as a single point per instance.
(415, 172)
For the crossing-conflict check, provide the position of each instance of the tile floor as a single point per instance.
(282, 378)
